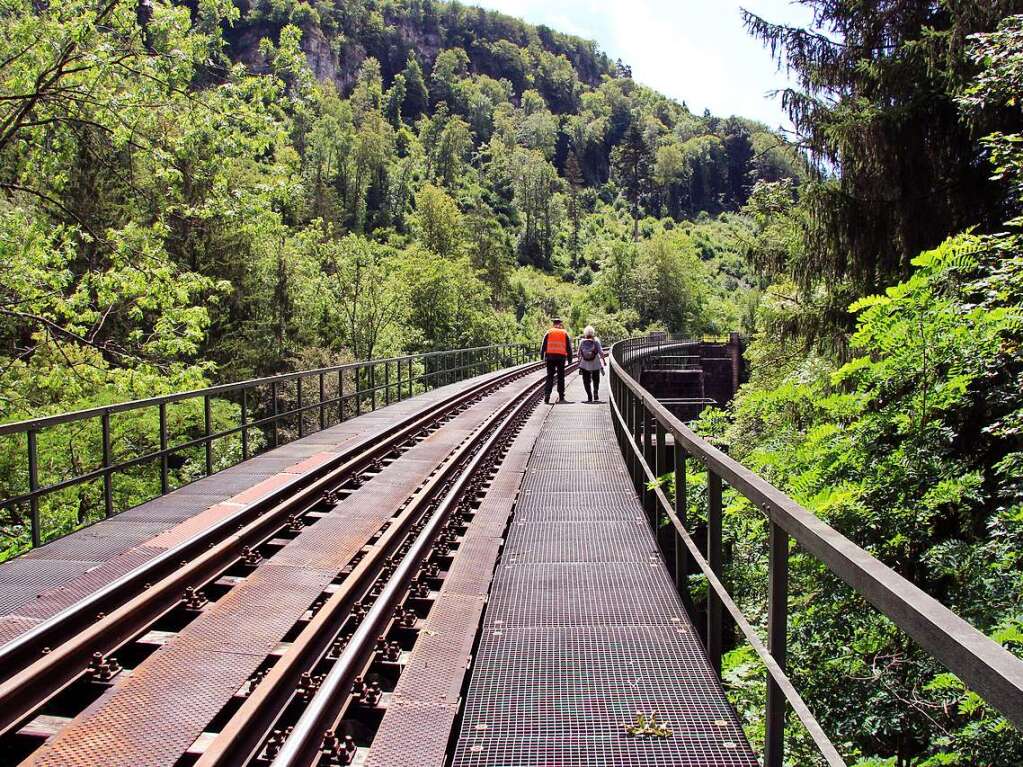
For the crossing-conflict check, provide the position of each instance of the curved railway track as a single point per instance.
(288, 711)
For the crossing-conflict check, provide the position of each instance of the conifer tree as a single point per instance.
(417, 97)
(876, 101)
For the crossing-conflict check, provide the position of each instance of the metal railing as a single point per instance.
(254, 413)
(643, 426)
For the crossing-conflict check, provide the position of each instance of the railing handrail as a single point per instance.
(422, 371)
(30, 424)
(982, 664)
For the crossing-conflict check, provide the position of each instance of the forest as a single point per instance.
(202, 192)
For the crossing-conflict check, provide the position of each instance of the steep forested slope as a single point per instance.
(192, 192)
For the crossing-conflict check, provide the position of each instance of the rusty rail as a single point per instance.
(410, 372)
(642, 425)
(43, 661)
(302, 746)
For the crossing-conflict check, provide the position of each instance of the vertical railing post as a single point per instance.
(649, 497)
(108, 480)
(777, 625)
(714, 560)
(397, 365)
(373, 386)
(340, 395)
(358, 389)
(682, 512)
(207, 430)
(33, 485)
(165, 463)
(323, 407)
(387, 383)
(637, 439)
(660, 467)
(301, 411)
(245, 428)
(273, 396)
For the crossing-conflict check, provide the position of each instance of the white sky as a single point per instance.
(695, 51)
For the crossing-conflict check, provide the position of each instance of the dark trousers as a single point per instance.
(588, 377)
(555, 365)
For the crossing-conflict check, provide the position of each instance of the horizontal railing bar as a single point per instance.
(78, 415)
(130, 463)
(827, 748)
(981, 663)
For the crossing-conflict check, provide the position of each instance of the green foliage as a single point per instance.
(903, 449)
(375, 178)
(875, 97)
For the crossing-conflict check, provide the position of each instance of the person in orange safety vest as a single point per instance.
(557, 351)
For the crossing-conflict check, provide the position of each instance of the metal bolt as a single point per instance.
(372, 694)
(250, 557)
(194, 599)
(405, 618)
(338, 646)
(308, 685)
(420, 589)
(276, 743)
(102, 669)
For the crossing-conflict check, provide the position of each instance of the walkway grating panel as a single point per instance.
(582, 594)
(584, 628)
(584, 541)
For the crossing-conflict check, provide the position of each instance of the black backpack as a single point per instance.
(588, 349)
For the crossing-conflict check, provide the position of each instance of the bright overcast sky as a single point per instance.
(695, 51)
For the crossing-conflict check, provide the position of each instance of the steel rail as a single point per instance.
(301, 746)
(247, 728)
(38, 664)
(982, 664)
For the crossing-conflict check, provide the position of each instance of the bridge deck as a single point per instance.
(46, 580)
(584, 627)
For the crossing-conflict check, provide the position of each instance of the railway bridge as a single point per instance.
(409, 561)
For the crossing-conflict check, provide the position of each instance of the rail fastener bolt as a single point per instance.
(194, 599)
(251, 557)
(102, 670)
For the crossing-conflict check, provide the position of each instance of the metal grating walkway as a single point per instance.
(584, 627)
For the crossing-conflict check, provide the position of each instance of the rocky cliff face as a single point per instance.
(337, 46)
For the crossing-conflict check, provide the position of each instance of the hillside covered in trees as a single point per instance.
(207, 191)
(213, 191)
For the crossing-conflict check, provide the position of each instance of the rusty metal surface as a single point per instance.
(473, 569)
(54, 600)
(23, 579)
(427, 723)
(491, 518)
(170, 519)
(233, 635)
(417, 726)
(441, 656)
(115, 733)
(584, 628)
(15, 625)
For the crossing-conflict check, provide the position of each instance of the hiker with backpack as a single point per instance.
(591, 363)
(556, 350)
